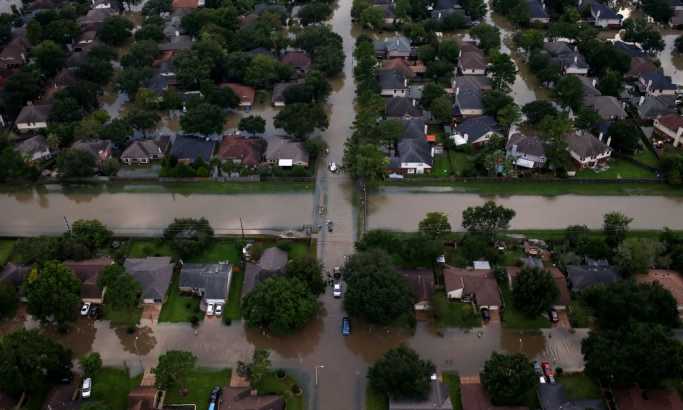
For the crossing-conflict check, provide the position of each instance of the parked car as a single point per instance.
(209, 310)
(553, 316)
(346, 326)
(337, 290)
(86, 388)
(485, 314)
(85, 309)
(333, 167)
(336, 272)
(215, 395)
(219, 310)
(95, 311)
(548, 372)
(330, 226)
(537, 368)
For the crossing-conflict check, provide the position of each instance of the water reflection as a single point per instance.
(303, 343)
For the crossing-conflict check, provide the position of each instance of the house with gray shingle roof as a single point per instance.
(273, 262)
(414, 154)
(154, 274)
(393, 47)
(34, 149)
(537, 12)
(552, 396)
(608, 107)
(472, 62)
(33, 117)
(286, 153)
(651, 106)
(569, 59)
(402, 107)
(525, 150)
(211, 282)
(603, 16)
(586, 149)
(657, 83)
(142, 152)
(476, 130)
(392, 83)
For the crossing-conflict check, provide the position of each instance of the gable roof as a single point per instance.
(32, 145)
(88, 271)
(653, 106)
(273, 259)
(480, 283)
(212, 279)
(476, 127)
(96, 148)
(602, 11)
(472, 60)
(525, 144)
(468, 99)
(245, 93)
(402, 106)
(474, 82)
(581, 277)
(671, 121)
(154, 275)
(396, 44)
(188, 147)
(658, 80)
(14, 274)
(585, 144)
(438, 399)
(421, 282)
(629, 49)
(537, 9)
(281, 148)
(607, 106)
(279, 90)
(297, 59)
(414, 151)
(392, 80)
(249, 150)
(241, 398)
(142, 149)
(34, 113)
(400, 65)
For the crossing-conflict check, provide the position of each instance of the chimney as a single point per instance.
(405, 82)
(600, 136)
(642, 100)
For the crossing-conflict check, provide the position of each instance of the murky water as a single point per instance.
(672, 63)
(400, 209)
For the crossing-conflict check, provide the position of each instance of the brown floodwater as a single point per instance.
(402, 209)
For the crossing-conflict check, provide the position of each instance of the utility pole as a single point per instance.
(66, 221)
(242, 227)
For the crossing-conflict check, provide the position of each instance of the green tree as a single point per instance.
(534, 291)
(587, 118)
(377, 294)
(625, 136)
(140, 54)
(31, 361)
(49, 57)
(529, 40)
(263, 71)
(173, 368)
(315, 12)
(488, 36)
(508, 378)
(189, 236)
(280, 305)
(191, 69)
(131, 79)
(435, 225)
(74, 163)
(502, 70)
(569, 91)
(442, 109)
(487, 219)
(91, 363)
(431, 92)
(401, 374)
(204, 119)
(475, 9)
(366, 162)
(92, 232)
(300, 120)
(615, 226)
(659, 10)
(611, 83)
(637, 255)
(536, 111)
(124, 292)
(449, 51)
(117, 131)
(142, 119)
(8, 299)
(252, 124)
(109, 275)
(679, 44)
(115, 30)
(309, 270)
(53, 293)
(257, 369)
(639, 353)
(372, 17)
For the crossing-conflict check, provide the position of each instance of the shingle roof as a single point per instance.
(605, 12)
(190, 148)
(245, 93)
(34, 113)
(142, 149)
(96, 148)
(526, 144)
(414, 151)
(297, 59)
(640, 66)
(393, 44)
(659, 80)
(671, 121)
(606, 106)
(536, 9)
(211, 279)
(282, 148)
(421, 282)
(477, 82)
(447, 4)
(554, 397)
(391, 80)
(248, 150)
(88, 271)
(480, 283)
(14, 274)
(629, 49)
(279, 91)
(654, 106)
(581, 277)
(32, 145)
(585, 144)
(476, 127)
(398, 64)
(402, 106)
(154, 275)
(472, 60)
(469, 99)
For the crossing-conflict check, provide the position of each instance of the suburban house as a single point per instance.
(86, 39)
(525, 150)
(603, 16)
(607, 106)
(154, 274)
(142, 152)
(245, 93)
(400, 65)
(472, 60)
(421, 282)
(474, 397)
(164, 76)
(15, 53)
(655, 399)
(279, 89)
(670, 126)
(570, 60)
(88, 271)
(33, 117)
(586, 149)
(402, 107)
(537, 12)
(564, 298)
(392, 83)
(476, 130)
(632, 49)
(241, 150)
(210, 282)
(94, 19)
(552, 396)
(240, 396)
(589, 86)
(146, 398)
(476, 285)
(650, 106)
(415, 154)
(657, 83)
(298, 60)
(467, 103)
(437, 399)
(393, 47)
(286, 153)
(273, 262)
(388, 11)
(34, 149)
(580, 277)
(101, 150)
(670, 280)
(639, 67)
(187, 4)
(189, 148)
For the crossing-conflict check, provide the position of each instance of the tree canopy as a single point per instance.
(401, 374)
(309, 270)
(204, 119)
(508, 378)
(435, 225)
(53, 293)
(300, 120)
(534, 291)
(487, 219)
(173, 369)
(189, 236)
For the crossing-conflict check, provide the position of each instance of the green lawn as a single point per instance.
(6, 247)
(199, 384)
(452, 380)
(233, 307)
(618, 168)
(111, 386)
(453, 314)
(558, 234)
(298, 249)
(647, 157)
(578, 386)
(515, 319)
(580, 315)
(141, 248)
(220, 250)
(122, 317)
(441, 166)
(451, 163)
(178, 307)
(375, 400)
(271, 384)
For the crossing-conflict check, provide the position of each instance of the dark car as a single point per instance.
(485, 314)
(95, 312)
(553, 316)
(346, 326)
(214, 397)
(330, 226)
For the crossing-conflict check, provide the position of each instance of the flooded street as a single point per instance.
(672, 63)
(402, 209)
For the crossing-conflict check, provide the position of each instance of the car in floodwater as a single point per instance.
(346, 326)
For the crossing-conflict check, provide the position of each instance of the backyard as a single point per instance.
(451, 163)
(453, 314)
(141, 248)
(111, 387)
(285, 387)
(618, 168)
(178, 307)
(199, 384)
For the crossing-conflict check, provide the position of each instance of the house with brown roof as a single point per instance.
(640, 66)
(99, 149)
(33, 117)
(298, 60)
(476, 285)
(15, 53)
(286, 153)
(586, 149)
(564, 298)
(88, 272)
(93, 20)
(187, 4)
(245, 93)
(669, 280)
(399, 64)
(636, 399)
(474, 397)
(421, 282)
(273, 262)
(241, 150)
(142, 152)
(472, 60)
(670, 126)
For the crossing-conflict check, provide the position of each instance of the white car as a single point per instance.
(86, 388)
(209, 310)
(333, 167)
(337, 290)
(85, 309)
(219, 310)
